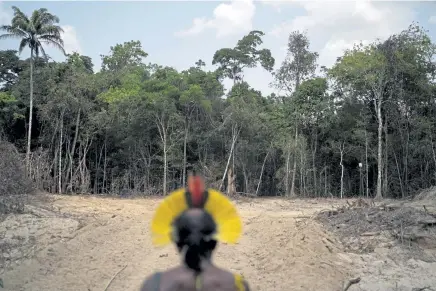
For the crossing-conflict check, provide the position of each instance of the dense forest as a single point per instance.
(365, 126)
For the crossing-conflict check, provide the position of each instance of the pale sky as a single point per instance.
(179, 33)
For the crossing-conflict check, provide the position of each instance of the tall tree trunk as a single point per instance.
(288, 161)
(292, 194)
(230, 183)
(73, 149)
(380, 148)
(261, 172)
(234, 138)
(164, 140)
(105, 165)
(433, 152)
(29, 132)
(341, 149)
(244, 171)
(53, 184)
(60, 154)
(81, 167)
(96, 166)
(303, 172)
(314, 164)
(162, 127)
(399, 175)
(366, 164)
(185, 141)
(385, 171)
(231, 175)
(406, 161)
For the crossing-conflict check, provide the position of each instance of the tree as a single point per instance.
(163, 90)
(315, 110)
(232, 61)
(128, 54)
(192, 101)
(82, 62)
(365, 69)
(231, 64)
(69, 101)
(246, 121)
(38, 30)
(299, 64)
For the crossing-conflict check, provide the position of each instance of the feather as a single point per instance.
(196, 188)
(161, 224)
(226, 217)
(222, 210)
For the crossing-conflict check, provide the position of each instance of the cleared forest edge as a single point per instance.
(80, 243)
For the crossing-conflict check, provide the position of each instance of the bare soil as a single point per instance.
(81, 243)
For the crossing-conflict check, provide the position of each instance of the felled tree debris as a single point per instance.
(14, 184)
(362, 225)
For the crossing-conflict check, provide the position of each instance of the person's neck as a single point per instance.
(205, 263)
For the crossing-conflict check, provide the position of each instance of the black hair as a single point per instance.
(194, 231)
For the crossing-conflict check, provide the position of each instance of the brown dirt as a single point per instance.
(80, 243)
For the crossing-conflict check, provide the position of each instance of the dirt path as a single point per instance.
(282, 247)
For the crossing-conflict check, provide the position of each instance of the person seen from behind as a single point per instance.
(195, 219)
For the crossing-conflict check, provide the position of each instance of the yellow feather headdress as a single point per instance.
(222, 210)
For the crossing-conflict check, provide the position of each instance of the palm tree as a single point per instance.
(40, 29)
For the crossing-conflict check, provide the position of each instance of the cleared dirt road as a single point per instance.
(283, 247)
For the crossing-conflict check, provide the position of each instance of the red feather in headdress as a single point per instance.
(196, 188)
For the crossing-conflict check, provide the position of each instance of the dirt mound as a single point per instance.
(14, 184)
(362, 225)
(34, 228)
(392, 246)
(427, 194)
(13, 178)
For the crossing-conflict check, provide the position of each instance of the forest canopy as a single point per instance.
(365, 126)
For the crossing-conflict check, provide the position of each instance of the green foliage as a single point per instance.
(130, 87)
(128, 54)
(144, 126)
(362, 69)
(9, 110)
(80, 62)
(246, 54)
(195, 96)
(299, 64)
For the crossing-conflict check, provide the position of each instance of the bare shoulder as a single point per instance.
(231, 278)
(241, 281)
(224, 274)
(149, 283)
(154, 281)
(246, 286)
